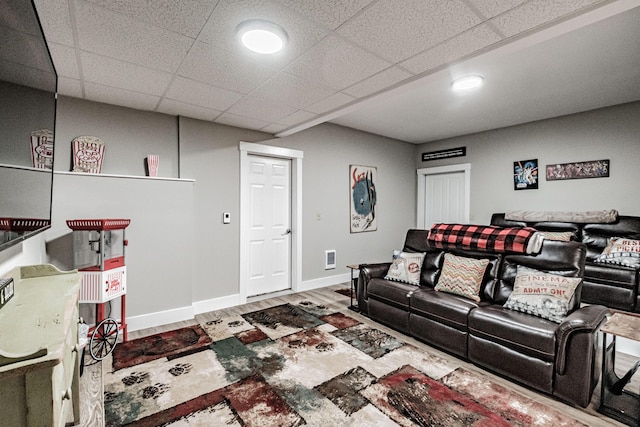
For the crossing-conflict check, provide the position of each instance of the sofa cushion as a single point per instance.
(530, 335)
(406, 267)
(542, 294)
(449, 309)
(621, 251)
(462, 276)
(392, 293)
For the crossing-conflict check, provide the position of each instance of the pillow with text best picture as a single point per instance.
(462, 276)
(406, 267)
(542, 294)
(621, 251)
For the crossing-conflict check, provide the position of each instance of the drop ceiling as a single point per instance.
(382, 66)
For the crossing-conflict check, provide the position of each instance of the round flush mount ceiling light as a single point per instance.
(262, 36)
(467, 83)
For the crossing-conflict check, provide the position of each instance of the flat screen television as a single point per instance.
(28, 84)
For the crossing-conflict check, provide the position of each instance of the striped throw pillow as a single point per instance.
(462, 276)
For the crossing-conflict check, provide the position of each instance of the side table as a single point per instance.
(615, 402)
(354, 285)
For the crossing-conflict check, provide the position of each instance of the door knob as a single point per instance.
(286, 232)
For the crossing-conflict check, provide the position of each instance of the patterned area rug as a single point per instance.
(302, 364)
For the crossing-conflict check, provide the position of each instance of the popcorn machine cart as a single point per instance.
(98, 254)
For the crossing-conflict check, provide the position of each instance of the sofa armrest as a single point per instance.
(368, 272)
(588, 318)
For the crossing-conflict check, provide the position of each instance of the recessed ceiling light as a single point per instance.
(467, 83)
(262, 36)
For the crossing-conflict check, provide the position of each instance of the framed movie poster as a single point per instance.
(578, 170)
(525, 174)
(363, 198)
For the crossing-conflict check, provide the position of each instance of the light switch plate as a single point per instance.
(226, 217)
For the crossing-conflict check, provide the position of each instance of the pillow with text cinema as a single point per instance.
(542, 294)
(462, 276)
(406, 267)
(621, 251)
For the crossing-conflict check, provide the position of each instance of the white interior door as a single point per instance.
(443, 195)
(269, 190)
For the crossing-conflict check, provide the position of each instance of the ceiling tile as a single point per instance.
(220, 29)
(331, 13)
(491, 8)
(177, 108)
(182, 17)
(453, 49)
(70, 87)
(380, 81)
(336, 63)
(57, 22)
(197, 93)
(215, 66)
(291, 90)
(396, 33)
(261, 109)
(110, 95)
(64, 58)
(296, 118)
(330, 103)
(111, 34)
(114, 73)
(536, 12)
(241, 122)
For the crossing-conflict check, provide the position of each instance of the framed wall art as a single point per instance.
(578, 170)
(363, 198)
(525, 174)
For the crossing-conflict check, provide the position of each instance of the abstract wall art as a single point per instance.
(362, 189)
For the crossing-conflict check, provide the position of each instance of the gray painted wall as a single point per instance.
(328, 152)
(608, 133)
(209, 154)
(129, 136)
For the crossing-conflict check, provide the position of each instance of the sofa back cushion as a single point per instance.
(596, 236)
(416, 241)
(575, 229)
(560, 258)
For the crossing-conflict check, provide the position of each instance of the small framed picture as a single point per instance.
(525, 174)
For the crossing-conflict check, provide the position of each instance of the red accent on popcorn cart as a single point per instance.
(99, 255)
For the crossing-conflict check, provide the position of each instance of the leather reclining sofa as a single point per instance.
(557, 359)
(615, 286)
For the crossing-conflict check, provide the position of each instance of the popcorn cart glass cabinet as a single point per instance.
(98, 254)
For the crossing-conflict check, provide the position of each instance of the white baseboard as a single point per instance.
(213, 304)
(323, 282)
(135, 323)
(160, 318)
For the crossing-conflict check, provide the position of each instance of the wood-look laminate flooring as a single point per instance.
(91, 382)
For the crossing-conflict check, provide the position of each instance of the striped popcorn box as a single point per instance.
(152, 165)
(42, 148)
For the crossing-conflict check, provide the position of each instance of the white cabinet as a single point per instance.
(39, 355)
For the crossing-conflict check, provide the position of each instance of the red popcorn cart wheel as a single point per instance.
(99, 255)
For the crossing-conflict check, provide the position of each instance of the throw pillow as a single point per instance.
(621, 251)
(562, 236)
(406, 267)
(542, 294)
(462, 276)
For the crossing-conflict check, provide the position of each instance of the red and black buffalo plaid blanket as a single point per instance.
(485, 238)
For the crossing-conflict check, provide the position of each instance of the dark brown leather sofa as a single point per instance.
(557, 359)
(615, 286)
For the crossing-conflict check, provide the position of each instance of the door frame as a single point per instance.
(422, 178)
(249, 148)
